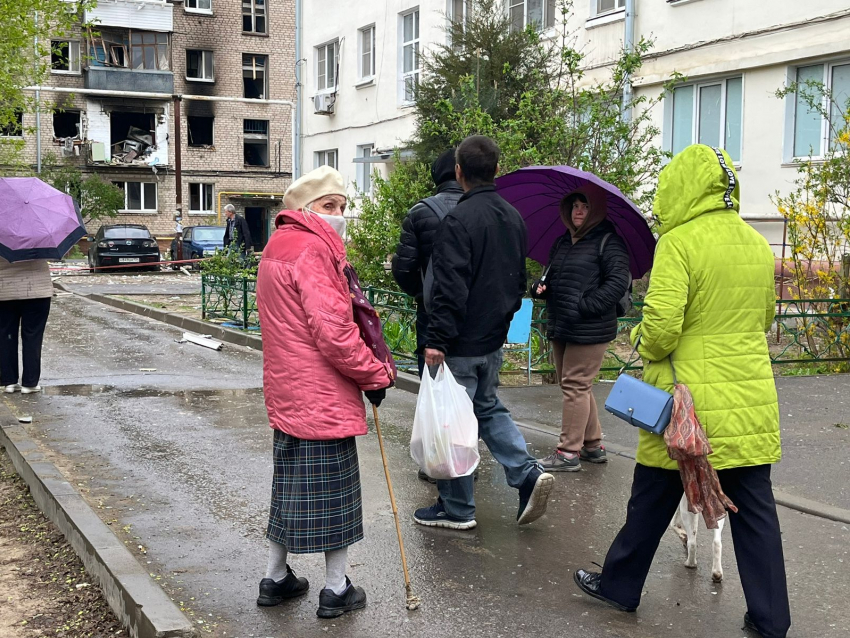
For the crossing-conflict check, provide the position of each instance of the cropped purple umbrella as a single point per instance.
(36, 220)
(536, 192)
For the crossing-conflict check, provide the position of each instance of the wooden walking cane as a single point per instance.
(413, 601)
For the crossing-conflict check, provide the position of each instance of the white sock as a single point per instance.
(277, 561)
(335, 563)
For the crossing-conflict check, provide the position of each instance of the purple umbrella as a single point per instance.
(536, 192)
(36, 220)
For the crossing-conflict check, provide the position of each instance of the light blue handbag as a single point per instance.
(639, 403)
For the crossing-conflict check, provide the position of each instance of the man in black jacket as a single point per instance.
(478, 282)
(237, 232)
(418, 230)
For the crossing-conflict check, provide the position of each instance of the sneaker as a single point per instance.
(26, 390)
(273, 593)
(332, 605)
(750, 625)
(560, 461)
(590, 583)
(9, 389)
(436, 516)
(595, 455)
(534, 496)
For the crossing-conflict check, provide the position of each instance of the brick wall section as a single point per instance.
(223, 164)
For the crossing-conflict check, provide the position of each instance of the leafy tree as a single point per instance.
(99, 199)
(25, 56)
(532, 97)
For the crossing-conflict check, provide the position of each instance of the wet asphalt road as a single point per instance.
(178, 461)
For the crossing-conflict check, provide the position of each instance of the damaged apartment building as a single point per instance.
(184, 105)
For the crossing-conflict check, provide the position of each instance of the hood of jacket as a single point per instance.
(597, 199)
(697, 181)
(314, 224)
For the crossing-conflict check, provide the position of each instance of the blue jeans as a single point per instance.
(480, 377)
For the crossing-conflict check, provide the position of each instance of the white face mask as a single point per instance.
(337, 222)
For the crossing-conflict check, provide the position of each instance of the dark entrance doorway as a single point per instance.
(257, 218)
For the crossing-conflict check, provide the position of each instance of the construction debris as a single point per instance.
(202, 341)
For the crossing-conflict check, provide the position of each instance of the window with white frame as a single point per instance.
(138, 196)
(366, 50)
(813, 133)
(326, 158)
(199, 6)
(601, 7)
(364, 170)
(708, 113)
(409, 55)
(199, 65)
(539, 13)
(254, 16)
(460, 10)
(201, 198)
(326, 61)
(65, 56)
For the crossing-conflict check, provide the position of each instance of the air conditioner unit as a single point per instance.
(323, 103)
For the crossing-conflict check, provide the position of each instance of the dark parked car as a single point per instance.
(197, 242)
(123, 245)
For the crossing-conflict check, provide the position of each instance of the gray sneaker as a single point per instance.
(560, 461)
(596, 455)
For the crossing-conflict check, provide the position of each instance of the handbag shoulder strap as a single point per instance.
(634, 352)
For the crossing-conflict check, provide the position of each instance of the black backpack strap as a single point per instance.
(602, 244)
(437, 206)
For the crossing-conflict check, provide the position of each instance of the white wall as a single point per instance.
(370, 114)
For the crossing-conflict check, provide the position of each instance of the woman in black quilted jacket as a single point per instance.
(588, 274)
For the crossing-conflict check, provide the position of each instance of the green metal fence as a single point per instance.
(233, 299)
(808, 331)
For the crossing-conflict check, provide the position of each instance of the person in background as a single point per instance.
(588, 274)
(410, 262)
(315, 366)
(25, 294)
(237, 233)
(479, 280)
(708, 306)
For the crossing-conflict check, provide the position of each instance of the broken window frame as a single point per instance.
(72, 59)
(76, 135)
(191, 142)
(203, 194)
(249, 64)
(14, 129)
(144, 196)
(255, 12)
(204, 56)
(255, 138)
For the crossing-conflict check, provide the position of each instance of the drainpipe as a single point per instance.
(628, 47)
(37, 110)
(178, 158)
(296, 134)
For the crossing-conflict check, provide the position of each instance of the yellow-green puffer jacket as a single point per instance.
(710, 301)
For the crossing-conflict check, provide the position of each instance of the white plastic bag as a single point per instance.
(445, 431)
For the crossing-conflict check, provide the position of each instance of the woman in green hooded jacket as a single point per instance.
(711, 299)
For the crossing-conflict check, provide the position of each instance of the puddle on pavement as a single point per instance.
(138, 393)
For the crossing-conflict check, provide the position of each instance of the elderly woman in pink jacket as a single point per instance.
(316, 364)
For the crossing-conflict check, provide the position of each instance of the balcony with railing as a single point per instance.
(129, 60)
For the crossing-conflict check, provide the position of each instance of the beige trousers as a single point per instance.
(576, 366)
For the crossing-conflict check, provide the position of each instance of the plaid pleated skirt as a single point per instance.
(316, 502)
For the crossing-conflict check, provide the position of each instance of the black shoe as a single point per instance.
(273, 593)
(534, 496)
(596, 455)
(750, 625)
(590, 583)
(424, 477)
(331, 605)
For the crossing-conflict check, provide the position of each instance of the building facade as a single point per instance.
(203, 88)
(735, 56)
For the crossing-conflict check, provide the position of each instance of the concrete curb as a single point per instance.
(410, 383)
(139, 603)
(173, 319)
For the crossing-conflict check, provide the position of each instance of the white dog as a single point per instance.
(685, 525)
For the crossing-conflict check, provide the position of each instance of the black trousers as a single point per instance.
(29, 318)
(755, 533)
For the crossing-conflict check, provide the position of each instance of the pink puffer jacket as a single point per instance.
(315, 364)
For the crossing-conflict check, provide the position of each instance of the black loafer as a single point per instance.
(331, 605)
(273, 593)
(750, 625)
(590, 583)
